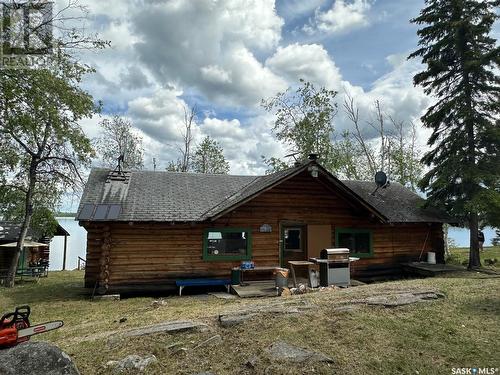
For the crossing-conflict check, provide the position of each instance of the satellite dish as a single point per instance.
(380, 179)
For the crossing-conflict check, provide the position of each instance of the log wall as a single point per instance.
(136, 253)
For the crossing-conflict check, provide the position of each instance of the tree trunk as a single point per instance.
(28, 208)
(474, 261)
(446, 227)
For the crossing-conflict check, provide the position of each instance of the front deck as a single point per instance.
(427, 269)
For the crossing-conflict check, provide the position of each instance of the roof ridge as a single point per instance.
(230, 196)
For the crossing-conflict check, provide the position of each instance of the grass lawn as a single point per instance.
(461, 330)
(460, 255)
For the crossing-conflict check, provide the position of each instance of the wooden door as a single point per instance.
(293, 242)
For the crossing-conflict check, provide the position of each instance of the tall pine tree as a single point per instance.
(462, 74)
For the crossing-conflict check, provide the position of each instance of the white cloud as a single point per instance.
(307, 61)
(159, 117)
(215, 74)
(211, 46)
(228, 52)
(342, 17)
(244, 144)
(292, 9)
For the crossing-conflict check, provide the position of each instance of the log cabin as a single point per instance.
(149, 228)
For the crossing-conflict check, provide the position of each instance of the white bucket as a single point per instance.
(431, 257)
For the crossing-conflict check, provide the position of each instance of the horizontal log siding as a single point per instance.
(161, 252)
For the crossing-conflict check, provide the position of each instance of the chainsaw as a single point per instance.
(15, 327)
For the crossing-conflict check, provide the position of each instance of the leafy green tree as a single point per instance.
(209, 158)
(394, 150)
(274, 164)
(462, 74)
(304, 122)
(175, 166)
(350, 157)
(45, 202)
(44, 145)
(118, 138)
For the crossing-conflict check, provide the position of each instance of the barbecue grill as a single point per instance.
(334, 267)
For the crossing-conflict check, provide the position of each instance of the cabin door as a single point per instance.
(293, 243)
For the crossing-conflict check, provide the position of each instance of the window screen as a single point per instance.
(293, 239)
(227, 243)
(357, 241)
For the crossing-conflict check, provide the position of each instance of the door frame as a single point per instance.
(286, 224)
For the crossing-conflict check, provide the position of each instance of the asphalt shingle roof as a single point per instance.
(171, 196)
(9, 231)
(161, 195)
(397, 203)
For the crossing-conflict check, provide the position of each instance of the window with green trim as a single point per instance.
(227, 244)
(358, 241)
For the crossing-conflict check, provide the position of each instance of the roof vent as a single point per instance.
(313, 157)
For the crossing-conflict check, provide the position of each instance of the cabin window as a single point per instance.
(358, 241)
(227, 244)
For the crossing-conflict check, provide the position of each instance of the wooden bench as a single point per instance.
(202, 282)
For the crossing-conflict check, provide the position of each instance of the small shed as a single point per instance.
(33, 256)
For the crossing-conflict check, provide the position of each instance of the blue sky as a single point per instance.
(361, 53)
(225, 56)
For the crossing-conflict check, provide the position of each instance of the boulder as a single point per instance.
(132, 362)
(282, 351)
(251, 362)
(36, 358)
(165, 327)
(402, 299)
(158, 303)
(234, 319)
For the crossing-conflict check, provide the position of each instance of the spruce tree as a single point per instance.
(462, 61)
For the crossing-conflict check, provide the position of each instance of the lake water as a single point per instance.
(77, 242)
(461, 236)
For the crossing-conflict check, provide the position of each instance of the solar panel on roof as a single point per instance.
(86, 212)
(114, 211)
(101, 211)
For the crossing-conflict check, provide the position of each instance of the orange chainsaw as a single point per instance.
(15, 327)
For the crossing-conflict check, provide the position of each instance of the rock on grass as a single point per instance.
(36, 358)
(283, 351)
(132, 362)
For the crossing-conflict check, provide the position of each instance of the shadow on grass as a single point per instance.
(484, 306)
